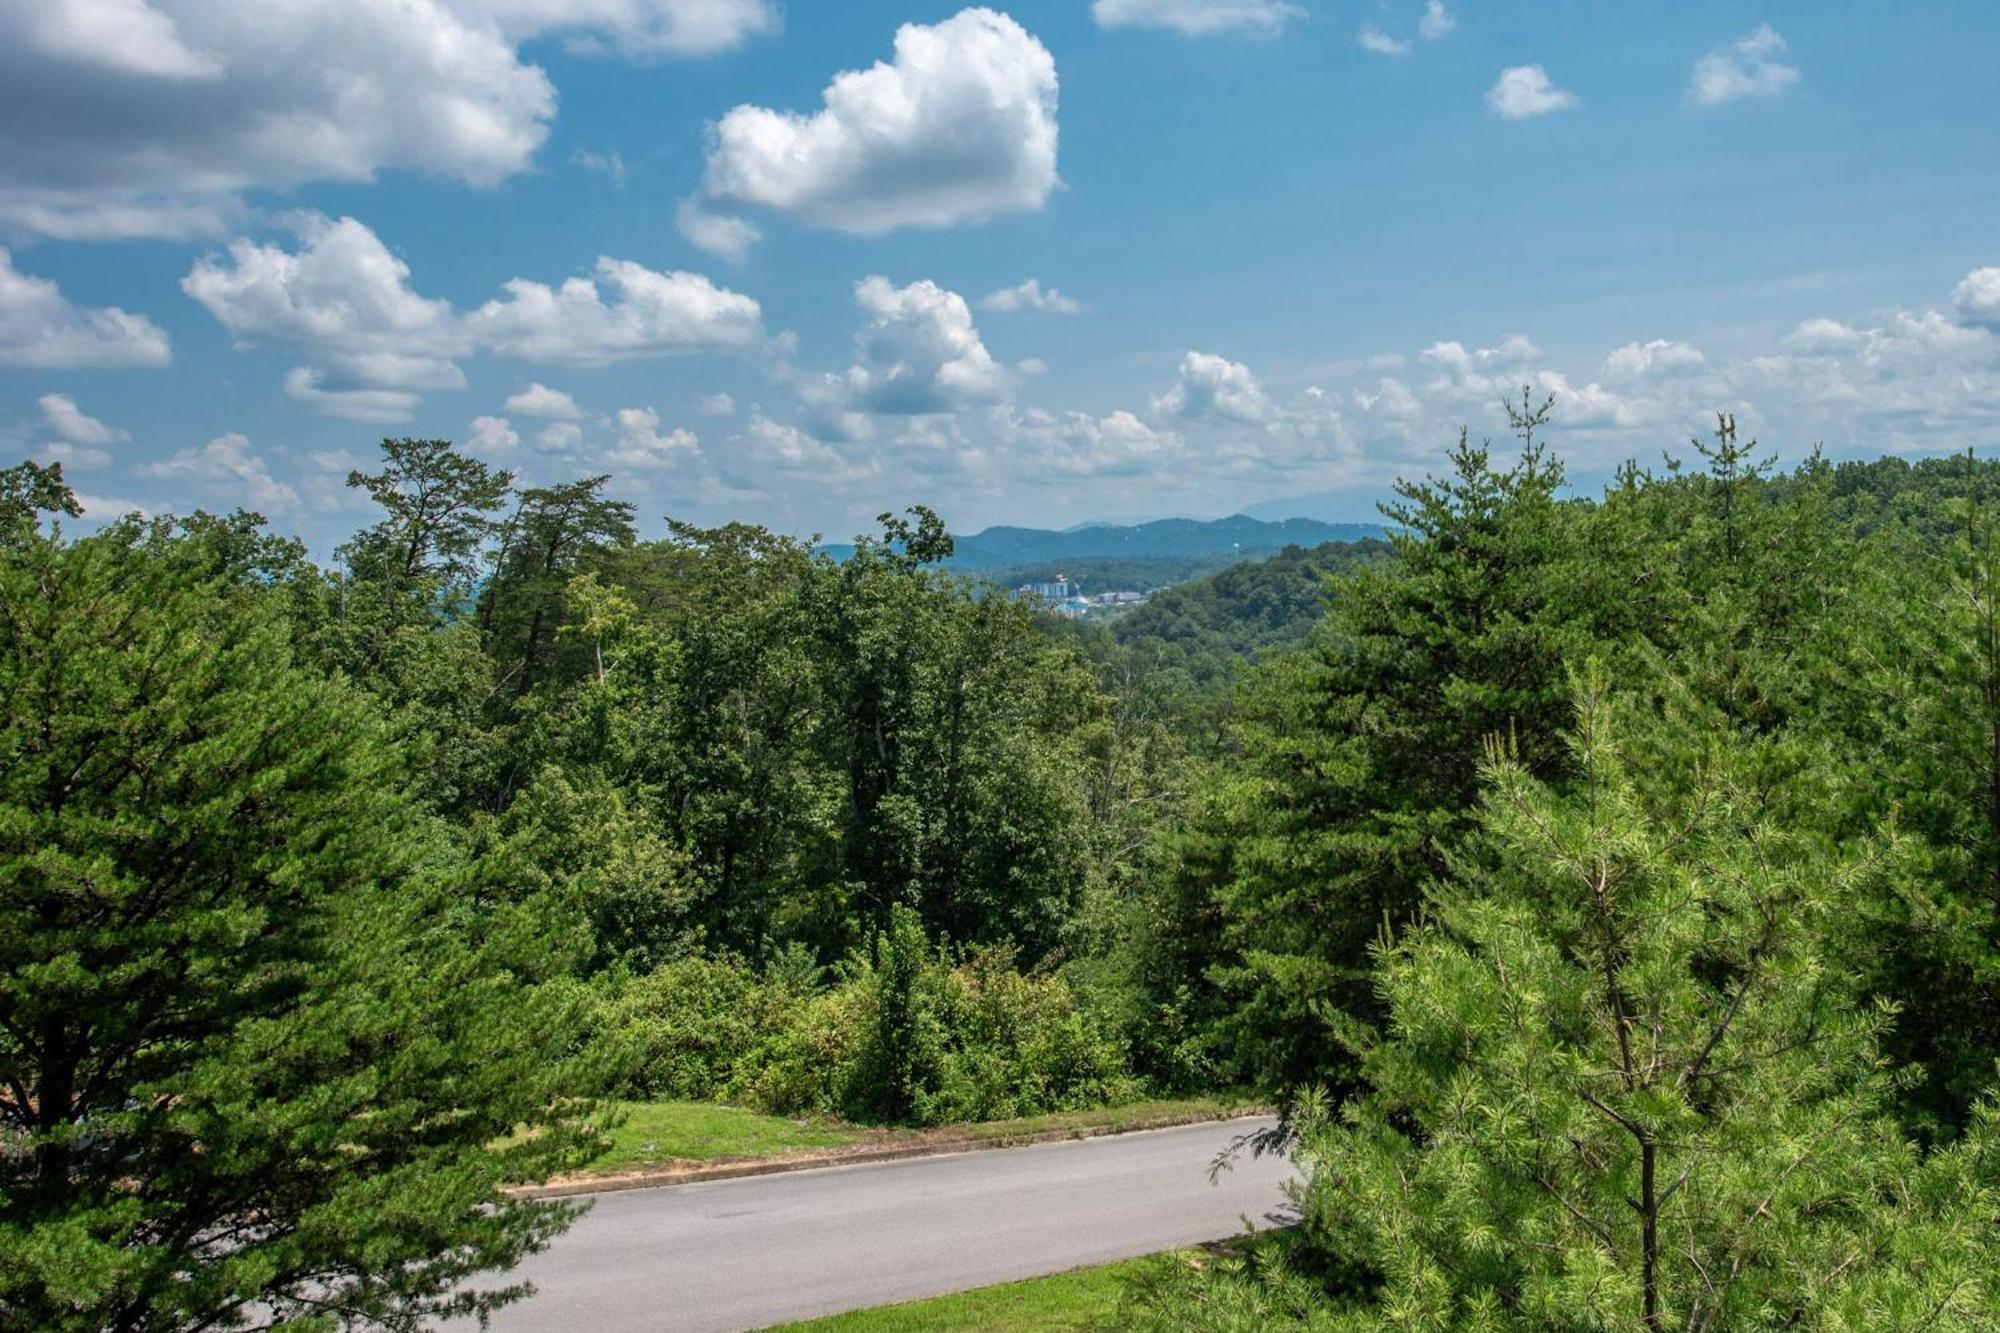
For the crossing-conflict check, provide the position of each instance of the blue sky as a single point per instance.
(1292, 246)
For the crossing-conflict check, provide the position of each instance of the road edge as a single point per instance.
(815, 1160)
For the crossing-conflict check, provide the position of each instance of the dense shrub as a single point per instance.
(909, 1034)
(974, 1040)
(696, 1028)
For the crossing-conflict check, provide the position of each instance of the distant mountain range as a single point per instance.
(1329, 505)
(1165, 538)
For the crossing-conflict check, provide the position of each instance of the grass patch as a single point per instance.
(658, 1132)
(1109, 1118)
(1085, 1298)
(666, 1132)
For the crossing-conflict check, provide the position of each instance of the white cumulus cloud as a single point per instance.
(74, 426)
(540, 401)
(1211, 386)
(150, 117)
(126, 36)
(1819, 335)
(1436, 21)
(275, 94)
(355, 402)
(1080, 444)
(610, 165)
(1197, 18)
(960, 126)
(228, 471)
(1381, 43)
(642, 445)
(721, 234)
(342, 295)
(1661, 356)
(1587, 405)
(1030, 295)
(40, 327)
(559, 437)
(1906, 382)
(648, 314)
(494, 435)
(1746, 67)
(1481, 368)
(1977, 298)
(74, 457)
(346, 303)
(637, 27)
(919, 353)
(1524, 91)
(789, 448)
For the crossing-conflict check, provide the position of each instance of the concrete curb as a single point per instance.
(771, 1166)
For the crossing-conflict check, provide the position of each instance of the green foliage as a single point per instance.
(701, 1028)
(580, 840)
(438, 505)
(253, 1041)
(977, 1041)
(334, 875)
(393, 620)
(1826, 640)
(28, 490)
(827, 741)
(1911, 688)
(1262, 1285)
(556, 533)
(1623, 1084)
(1359, 756)
(907, 1036)
(1197, 637)
(904, 1053)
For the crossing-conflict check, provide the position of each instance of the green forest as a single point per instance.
(1604, 886)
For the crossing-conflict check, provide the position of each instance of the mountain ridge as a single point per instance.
(1007, 545)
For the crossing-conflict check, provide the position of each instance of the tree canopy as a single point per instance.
(1605, 886)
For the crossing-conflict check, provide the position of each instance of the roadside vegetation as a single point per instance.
(645, 1135)
(1084, 1299)
(1605, 887)
(652, 1134)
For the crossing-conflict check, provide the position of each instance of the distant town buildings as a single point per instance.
(1066, 598)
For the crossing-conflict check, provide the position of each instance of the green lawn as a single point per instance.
(1109, 1118)
(658, 1132)
(1086, 1298)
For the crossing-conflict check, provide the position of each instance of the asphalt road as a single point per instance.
(740, 1254)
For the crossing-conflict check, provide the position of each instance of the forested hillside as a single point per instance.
(1607, 886)
(1204, 631)
(1094, 574)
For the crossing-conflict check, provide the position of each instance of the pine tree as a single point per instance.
(1911, 694)
(256, 1040)
(1624, 1081)
(553, 532)
(1360, 755)
(439, 505)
